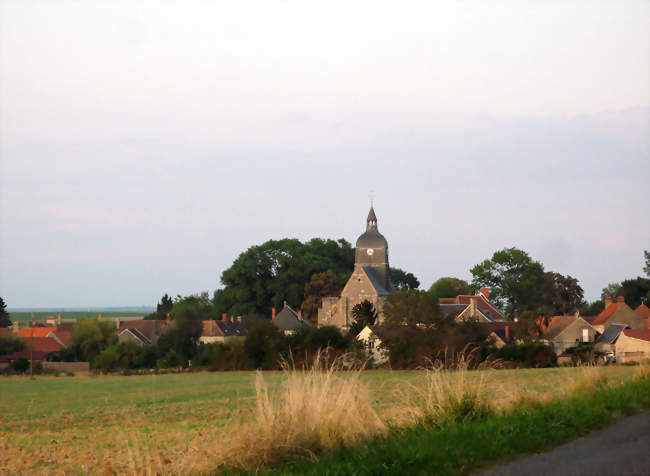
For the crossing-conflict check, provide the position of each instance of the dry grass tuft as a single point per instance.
(451, 395)
(586, 379)
(312, 410)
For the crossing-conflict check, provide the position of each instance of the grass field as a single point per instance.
(25, 317)
(84, 423)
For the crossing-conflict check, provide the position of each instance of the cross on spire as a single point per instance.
(371, 196)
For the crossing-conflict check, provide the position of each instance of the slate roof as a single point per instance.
(611, 333)
(641, 334)
(151, 328)
(287, 320)
(137, 334)
(375, 280)
(452, 309)
(233, 328)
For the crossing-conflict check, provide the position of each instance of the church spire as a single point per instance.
(371, 221)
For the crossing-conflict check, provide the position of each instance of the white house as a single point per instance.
(371, 338)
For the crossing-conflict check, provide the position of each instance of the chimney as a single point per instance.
(620, 299)
(472, 307)
(285, 303)
(58, 319)
(507, 334)
(168, 318)
(486, 292)
(99, 316)
(117, 323)
(273, 313)
(300, 314)
(608, 301)
(16, 327)
(224, 317)
(211, 326)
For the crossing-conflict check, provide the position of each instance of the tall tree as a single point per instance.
(320, 285)
(636, 291)
(612, 290)
(403, 280)
(646, 268)
(266, 275)
(449, 287)
(513, 278)
(5, 321)
(411, 308)
(560, 294)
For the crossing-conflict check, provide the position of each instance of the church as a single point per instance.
(370, 279)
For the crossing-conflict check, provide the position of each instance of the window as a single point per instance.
(585, 335)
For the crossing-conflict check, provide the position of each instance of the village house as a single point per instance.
(223, 330)
(644, 312)
(564, 332)
(618, 313)
(607, 341)
(633, 345)
(372, 338)
(288, 320)
(472, 307)
(142, 331)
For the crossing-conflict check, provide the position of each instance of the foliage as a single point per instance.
(530, 354)
(403, 280)
(411, 308)
(5, 321)
(21, 365)
(266, 275)
(513, 278)
(646, 268)
(188, 313)
(612, 290)
(636, 291)
(562, 294)
(320, 285)
(90, 337)
(230, 355)
(592, 309)
(107, 360)
(364, 314)
(9, 345)
(163, 308)
(265, 345)
(450, 287)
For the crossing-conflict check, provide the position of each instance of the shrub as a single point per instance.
(107, 360)
(21, 365)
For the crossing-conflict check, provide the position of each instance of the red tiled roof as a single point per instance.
(483, 305)
(210, 328)
(557, 324)
(643, 311)
(63, 336)
(641, 334)
(6, 331)
(36, 355)
(43, 344)
(605, 314)
(25, 332)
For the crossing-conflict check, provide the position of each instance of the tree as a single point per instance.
(403, 280)
(635, 291)
(612, 290)
(264, 345)
(9, 345)
(592, 309)
(188, 314)
(266, 275)
(91, 336)
(560, 294)
(5, 320)
(450, 287)
(364, 314)
(320, 285)
(411, 308)
(646, 268)
(513, 278)
(107, 360)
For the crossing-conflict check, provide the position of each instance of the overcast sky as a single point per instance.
(144, 145)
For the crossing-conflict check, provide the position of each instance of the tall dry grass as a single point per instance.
(450, 394)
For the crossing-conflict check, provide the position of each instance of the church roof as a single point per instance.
(371, 215)
(375, 280)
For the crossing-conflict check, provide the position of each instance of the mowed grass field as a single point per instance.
(25, 318)
(83, 424)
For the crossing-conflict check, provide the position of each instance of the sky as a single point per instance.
(145, 145)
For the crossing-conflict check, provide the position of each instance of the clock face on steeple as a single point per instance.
(370, 251)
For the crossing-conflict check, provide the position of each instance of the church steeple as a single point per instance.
(371, 221)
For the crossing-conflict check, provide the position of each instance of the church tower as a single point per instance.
(372, 252)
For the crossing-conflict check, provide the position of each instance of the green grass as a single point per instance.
(25, 317)
(463, 448)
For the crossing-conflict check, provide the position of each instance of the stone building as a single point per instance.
(370, 279)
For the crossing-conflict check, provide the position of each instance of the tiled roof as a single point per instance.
(557, 324)
(482, 304)
(605, 314)
(151, 328)
(38, 331)
(62, 336)
(499, 328)
(36, 355)
(611, 333)
(643, 311)
(451, 309)
(6, 331)
(65, 326)
(43, 344)
(641, 334)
